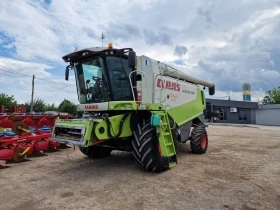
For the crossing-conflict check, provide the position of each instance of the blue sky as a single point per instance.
(227, 42)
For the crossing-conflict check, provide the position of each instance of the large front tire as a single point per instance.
(199, 140)
(96, 152)
(146, 147)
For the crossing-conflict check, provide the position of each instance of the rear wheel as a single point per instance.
(96, 152)
(145, 147)
(199, 140)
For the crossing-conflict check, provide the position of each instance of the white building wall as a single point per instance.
(268, 115)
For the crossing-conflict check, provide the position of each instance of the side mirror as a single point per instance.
(131, 59)
(67, 72)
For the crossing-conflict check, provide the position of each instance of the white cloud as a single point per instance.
(31, 29)
(14, 82)
(227, 42)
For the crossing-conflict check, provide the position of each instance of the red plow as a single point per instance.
(26, 134)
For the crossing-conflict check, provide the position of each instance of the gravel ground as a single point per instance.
(241, 170)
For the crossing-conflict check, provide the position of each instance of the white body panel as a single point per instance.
(170, 91)
(93, 107)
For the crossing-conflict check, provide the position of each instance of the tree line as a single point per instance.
(272, 97)
(39, 105)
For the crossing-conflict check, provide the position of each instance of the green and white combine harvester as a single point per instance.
(137, 104)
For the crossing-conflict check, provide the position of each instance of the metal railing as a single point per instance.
(143, 75)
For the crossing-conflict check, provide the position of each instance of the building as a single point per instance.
(228, 111)
(240, 112)
(268, 115)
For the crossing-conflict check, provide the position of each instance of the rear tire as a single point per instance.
(145, 147)
(96, 152)
(199, 140)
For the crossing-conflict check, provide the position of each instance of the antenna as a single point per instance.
(102, 37)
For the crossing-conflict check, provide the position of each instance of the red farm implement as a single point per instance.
(33, 122)
(24, 134)
(16, 148)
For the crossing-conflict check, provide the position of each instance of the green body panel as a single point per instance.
(83, 124)
(114, 128)
(188, 111)
(122, 105)
(152, 107)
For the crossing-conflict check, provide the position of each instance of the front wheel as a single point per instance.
(146, 147)
(96, 152)
(199, 140)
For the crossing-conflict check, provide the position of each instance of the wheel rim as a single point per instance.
(203, 141)
(16, 157)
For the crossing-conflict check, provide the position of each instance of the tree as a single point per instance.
(8, 101)
(67, 106)
(273, 96)
(39, 105)
(65, 101)
(51, 107)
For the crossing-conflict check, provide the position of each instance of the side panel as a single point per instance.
(173, 92)
(187, 111)
(146, 65)
(185, 131)
(101, 130)
(183, 101)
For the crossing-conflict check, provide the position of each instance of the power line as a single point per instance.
(56, 83)
(50, 84)
(48, 81)
(10, 70)
(45, 80)
(10, 75)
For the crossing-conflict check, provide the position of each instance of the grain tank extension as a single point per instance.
(136, 104)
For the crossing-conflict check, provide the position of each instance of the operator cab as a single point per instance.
(102, 74)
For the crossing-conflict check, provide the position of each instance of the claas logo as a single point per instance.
(91, 106)
(168, 85)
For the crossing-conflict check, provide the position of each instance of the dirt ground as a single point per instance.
(241, 170)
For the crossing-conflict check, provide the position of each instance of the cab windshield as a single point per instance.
(91, 81)
(102, 80)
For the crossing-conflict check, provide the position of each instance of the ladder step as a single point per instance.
(166, 134)
(172, 164)
(170, 154)
(168, 144)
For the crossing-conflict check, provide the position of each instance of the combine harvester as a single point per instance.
(137, 104)
(23, 134)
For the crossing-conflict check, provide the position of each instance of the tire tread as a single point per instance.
(195, 140)
(145, 143)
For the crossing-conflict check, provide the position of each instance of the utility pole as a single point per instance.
(32, 95)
